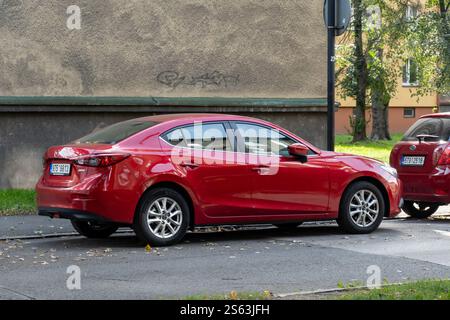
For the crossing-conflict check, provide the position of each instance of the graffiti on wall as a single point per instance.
(174, 79)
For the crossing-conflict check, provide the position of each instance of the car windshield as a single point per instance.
(439, 127)
(116, 132)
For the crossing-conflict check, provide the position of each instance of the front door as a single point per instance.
(281, 183)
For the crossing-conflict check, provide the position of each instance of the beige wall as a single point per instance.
(397, 122)
(233, 48)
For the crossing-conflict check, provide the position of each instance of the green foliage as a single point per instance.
(377, 65)
(428, 43)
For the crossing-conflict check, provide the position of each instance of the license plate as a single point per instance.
(413, 161)
(60, 169)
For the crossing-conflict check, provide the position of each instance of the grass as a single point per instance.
(233, 295)
(420, 290)
(374, 149)
(17, 201)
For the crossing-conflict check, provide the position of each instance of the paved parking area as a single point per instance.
(315, 256)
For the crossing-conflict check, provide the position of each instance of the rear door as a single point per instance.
(220, 178)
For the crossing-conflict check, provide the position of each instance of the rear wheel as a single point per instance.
(362, 208)
(163, 217)
(288, 226)
(93, 229)
(419, 210)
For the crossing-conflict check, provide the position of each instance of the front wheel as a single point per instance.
(362, 208)
(163, 217)
(419, 210)
(94, 230)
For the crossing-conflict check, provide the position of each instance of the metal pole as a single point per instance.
(331, 73)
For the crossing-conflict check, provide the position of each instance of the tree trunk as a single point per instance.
(380, 108)
(443, 9)
(380, 113)
(359, 113)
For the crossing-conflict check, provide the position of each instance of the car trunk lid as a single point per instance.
(65, 155)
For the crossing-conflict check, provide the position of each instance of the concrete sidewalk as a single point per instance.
(32, 226)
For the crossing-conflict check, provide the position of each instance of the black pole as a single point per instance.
(331, 73)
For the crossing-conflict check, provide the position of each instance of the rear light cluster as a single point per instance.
(444, 159)
(100, 160)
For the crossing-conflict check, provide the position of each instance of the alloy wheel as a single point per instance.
(164, 217)
(364, 208)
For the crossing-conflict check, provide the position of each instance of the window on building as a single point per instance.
(409, 113)
(410, 71)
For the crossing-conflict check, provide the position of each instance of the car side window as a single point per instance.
(202, 136)
(262, 140)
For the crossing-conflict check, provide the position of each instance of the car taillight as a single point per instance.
(100, 160)
(444, 159)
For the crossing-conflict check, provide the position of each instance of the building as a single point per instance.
(68, 67)
(404, 109)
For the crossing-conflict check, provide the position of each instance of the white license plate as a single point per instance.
(60, 169)
(413, 161)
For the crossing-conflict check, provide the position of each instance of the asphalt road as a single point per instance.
(315, 256)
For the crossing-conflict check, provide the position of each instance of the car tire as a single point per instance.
(288, 226)
(162, 218)
(94, 230)
(362, 208)
(419, 210)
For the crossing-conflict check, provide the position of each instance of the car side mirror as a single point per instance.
(299, 150)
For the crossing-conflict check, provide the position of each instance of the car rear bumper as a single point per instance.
(62, 213)
(92, 202)
(432, 187)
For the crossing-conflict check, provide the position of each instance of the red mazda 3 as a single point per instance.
(422, 159)
(163, 175)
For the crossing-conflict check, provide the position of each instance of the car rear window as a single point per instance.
(439, 127)
(116, 132)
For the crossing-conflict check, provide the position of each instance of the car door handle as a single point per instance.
(189, 165)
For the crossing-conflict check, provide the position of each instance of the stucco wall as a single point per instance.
(152, 48)
(239, 48)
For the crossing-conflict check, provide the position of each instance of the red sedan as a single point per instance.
(422, 159)
(162, 175)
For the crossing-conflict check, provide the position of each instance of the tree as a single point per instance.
(352, 60)
(428, 43)
(385, 48)
(369, 65)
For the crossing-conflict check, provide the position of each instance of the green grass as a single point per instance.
(233, 295)
(17, 201)
(374, 149)
(420, 290)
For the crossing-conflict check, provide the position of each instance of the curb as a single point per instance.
(53, 235)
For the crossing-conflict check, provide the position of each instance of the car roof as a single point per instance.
(437, 115)
(182, 117)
